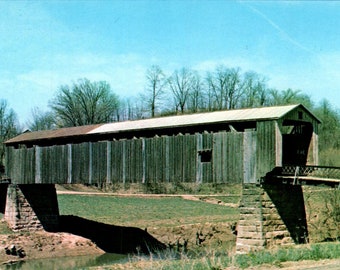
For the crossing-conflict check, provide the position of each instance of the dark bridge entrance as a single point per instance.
(296, 138)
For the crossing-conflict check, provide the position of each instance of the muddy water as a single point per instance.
(79, 262)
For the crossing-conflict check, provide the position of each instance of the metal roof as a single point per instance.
(199, 118)
(52, 134)
(252, 114)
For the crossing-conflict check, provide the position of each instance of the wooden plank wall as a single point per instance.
(21, 164)
(266, 148)
(52, 167)
(249, 157)
(228, 157)
(139, 160)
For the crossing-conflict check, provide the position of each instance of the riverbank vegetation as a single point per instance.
(292, 258)
(198, 226)
(174, 219)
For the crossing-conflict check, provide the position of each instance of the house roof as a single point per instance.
(239, 115)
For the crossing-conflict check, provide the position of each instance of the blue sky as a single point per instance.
(45, 44)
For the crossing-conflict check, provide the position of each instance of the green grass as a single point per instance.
(217, 261)
(142, 212)
(174, 211)
(313, 252)
(228, 199)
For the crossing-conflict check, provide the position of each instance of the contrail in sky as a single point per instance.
(278, 28)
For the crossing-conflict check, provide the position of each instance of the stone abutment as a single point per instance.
(271, 215)
(32, 207)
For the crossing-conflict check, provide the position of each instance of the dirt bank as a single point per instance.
(37, 245)
(41, 244)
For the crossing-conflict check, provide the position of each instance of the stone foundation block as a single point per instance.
(32, 207)
(270, 215)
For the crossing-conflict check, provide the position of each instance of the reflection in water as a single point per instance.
(79, 262)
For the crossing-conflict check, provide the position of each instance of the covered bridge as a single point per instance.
(231, 146)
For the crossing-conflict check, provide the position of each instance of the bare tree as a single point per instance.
(255, 91)
(132, 109)
(288, 96)
(216, 90)
(227, 87)
(196, 95)
(210, 103)
(235, 88)
(41, 120)
(181, 83)
(85, 103)
(156, 82)
(8, 127)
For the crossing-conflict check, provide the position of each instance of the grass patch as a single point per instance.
(174, 211)
(172, 188)
(143, 212)
(209, 259)
(313, 252)
(228, 199)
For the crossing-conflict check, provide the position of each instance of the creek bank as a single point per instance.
(41, 244)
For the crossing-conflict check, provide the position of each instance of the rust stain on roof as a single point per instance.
(52, 134)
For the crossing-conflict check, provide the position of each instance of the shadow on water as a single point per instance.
(80, 262)
(111, 238)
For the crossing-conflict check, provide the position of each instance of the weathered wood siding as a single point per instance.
(249, 157)
(21, 164)
(228, 157)
(266, 148)
(158, 159)
(80, 163)
(51, 164)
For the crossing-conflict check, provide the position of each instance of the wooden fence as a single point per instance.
(222, 157)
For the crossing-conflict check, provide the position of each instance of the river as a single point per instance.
(63, 263)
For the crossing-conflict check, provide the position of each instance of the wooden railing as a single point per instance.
(306, 174)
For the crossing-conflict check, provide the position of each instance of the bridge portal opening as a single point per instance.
(296, 137)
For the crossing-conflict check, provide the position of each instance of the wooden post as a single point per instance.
(37, 165)
(69, 163)
(90, 163)
(249, 157)
(198, 159)
(143, 160)
(108, 162)
(167, 159)
(315, 142)
(124, 161)
(279, 145)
